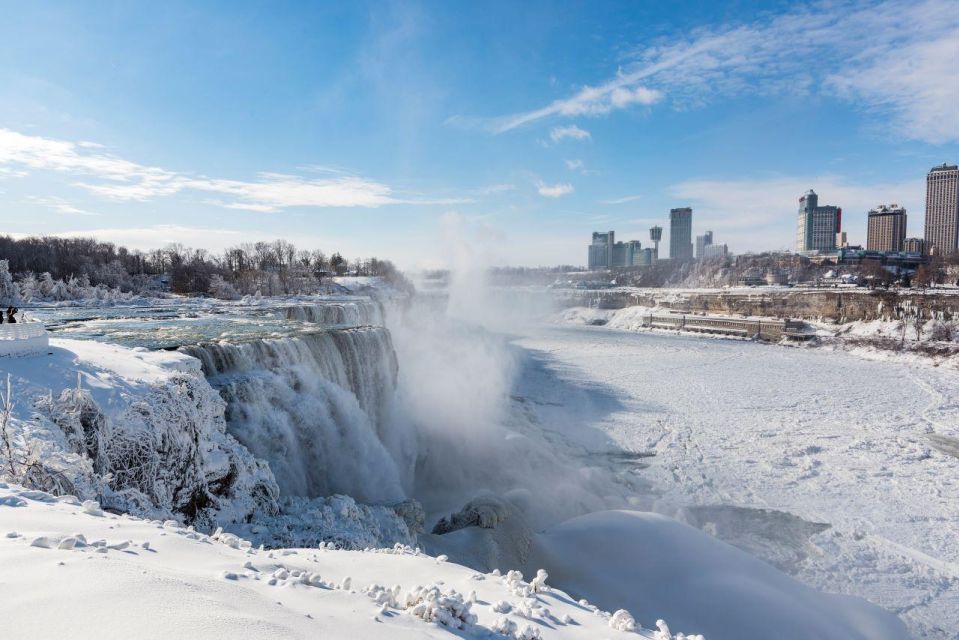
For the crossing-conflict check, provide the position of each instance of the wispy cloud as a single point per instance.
(495, 188)
(11, 173)
(622, 200)
(575, 165)
(118, 179)
(572, 132)
(553, 190)
(894, 58)
(59, 205)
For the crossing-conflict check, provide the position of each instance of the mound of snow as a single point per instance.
(74, 575)
(655, 566)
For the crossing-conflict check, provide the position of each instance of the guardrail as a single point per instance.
(762, 329)
(23, 338)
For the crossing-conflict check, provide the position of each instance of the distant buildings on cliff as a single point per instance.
(606, 253)
(819, 232)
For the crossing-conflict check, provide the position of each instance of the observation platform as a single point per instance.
(23, 339)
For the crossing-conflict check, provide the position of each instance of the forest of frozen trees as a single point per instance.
(56, 269)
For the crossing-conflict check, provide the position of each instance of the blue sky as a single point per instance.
(414, 131)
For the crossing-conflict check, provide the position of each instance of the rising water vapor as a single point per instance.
(461, 382)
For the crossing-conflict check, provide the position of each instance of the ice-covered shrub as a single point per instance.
(941, 331)
(448, 608)
(622, 621)
(166, 454)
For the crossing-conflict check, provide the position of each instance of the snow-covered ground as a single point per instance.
(839, 470)
(70, 570)
(555, 439)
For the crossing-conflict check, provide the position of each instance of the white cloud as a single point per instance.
(575, 165)
(622, 200)
(622, 97)
(760, 213)
(123, 180)
(553, 190)
(571, 132)
(59, 205)
(894, 58)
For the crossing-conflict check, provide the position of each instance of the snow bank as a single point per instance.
(99, 577)
(655, 566)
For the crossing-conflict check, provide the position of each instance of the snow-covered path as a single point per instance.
(819, 462)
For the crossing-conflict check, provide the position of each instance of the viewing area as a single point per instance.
(23, 339)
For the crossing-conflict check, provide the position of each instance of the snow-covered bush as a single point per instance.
(622, 621)
(941, 331)
(166, 454)
(448, 608)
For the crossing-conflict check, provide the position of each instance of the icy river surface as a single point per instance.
(825, 464)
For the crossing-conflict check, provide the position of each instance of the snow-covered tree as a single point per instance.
(59, 291)
(221, 289)
(29, 286)
(9, 292)
(46, 284)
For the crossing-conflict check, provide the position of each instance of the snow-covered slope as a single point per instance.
(69, 570)
(648, 562)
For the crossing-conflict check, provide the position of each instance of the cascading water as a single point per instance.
(317, 407)
(352, 313)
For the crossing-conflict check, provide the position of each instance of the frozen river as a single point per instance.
(839, 470)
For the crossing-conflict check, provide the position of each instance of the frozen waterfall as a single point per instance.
(317, 408)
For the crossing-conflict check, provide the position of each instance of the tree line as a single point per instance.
(267, 268)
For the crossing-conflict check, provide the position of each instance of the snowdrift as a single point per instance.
(656, 566)
(73, 571)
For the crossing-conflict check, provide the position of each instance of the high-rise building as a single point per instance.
(913, 245)
(942, 210)
(606, 253)
(886, 230)
(818, 226)
(702, 242)
(644, 258)
(601, 249)
(625, 253)
(655, 235)
(681, 234)
(715, 251)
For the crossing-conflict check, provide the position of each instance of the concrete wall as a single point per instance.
(836, 305)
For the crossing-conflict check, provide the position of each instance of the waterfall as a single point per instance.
(354, 313)
(316, 407)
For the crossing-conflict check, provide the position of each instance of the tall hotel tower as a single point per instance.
(942, 210)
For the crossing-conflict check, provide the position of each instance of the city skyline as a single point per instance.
(820, 229)
(354, 134)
